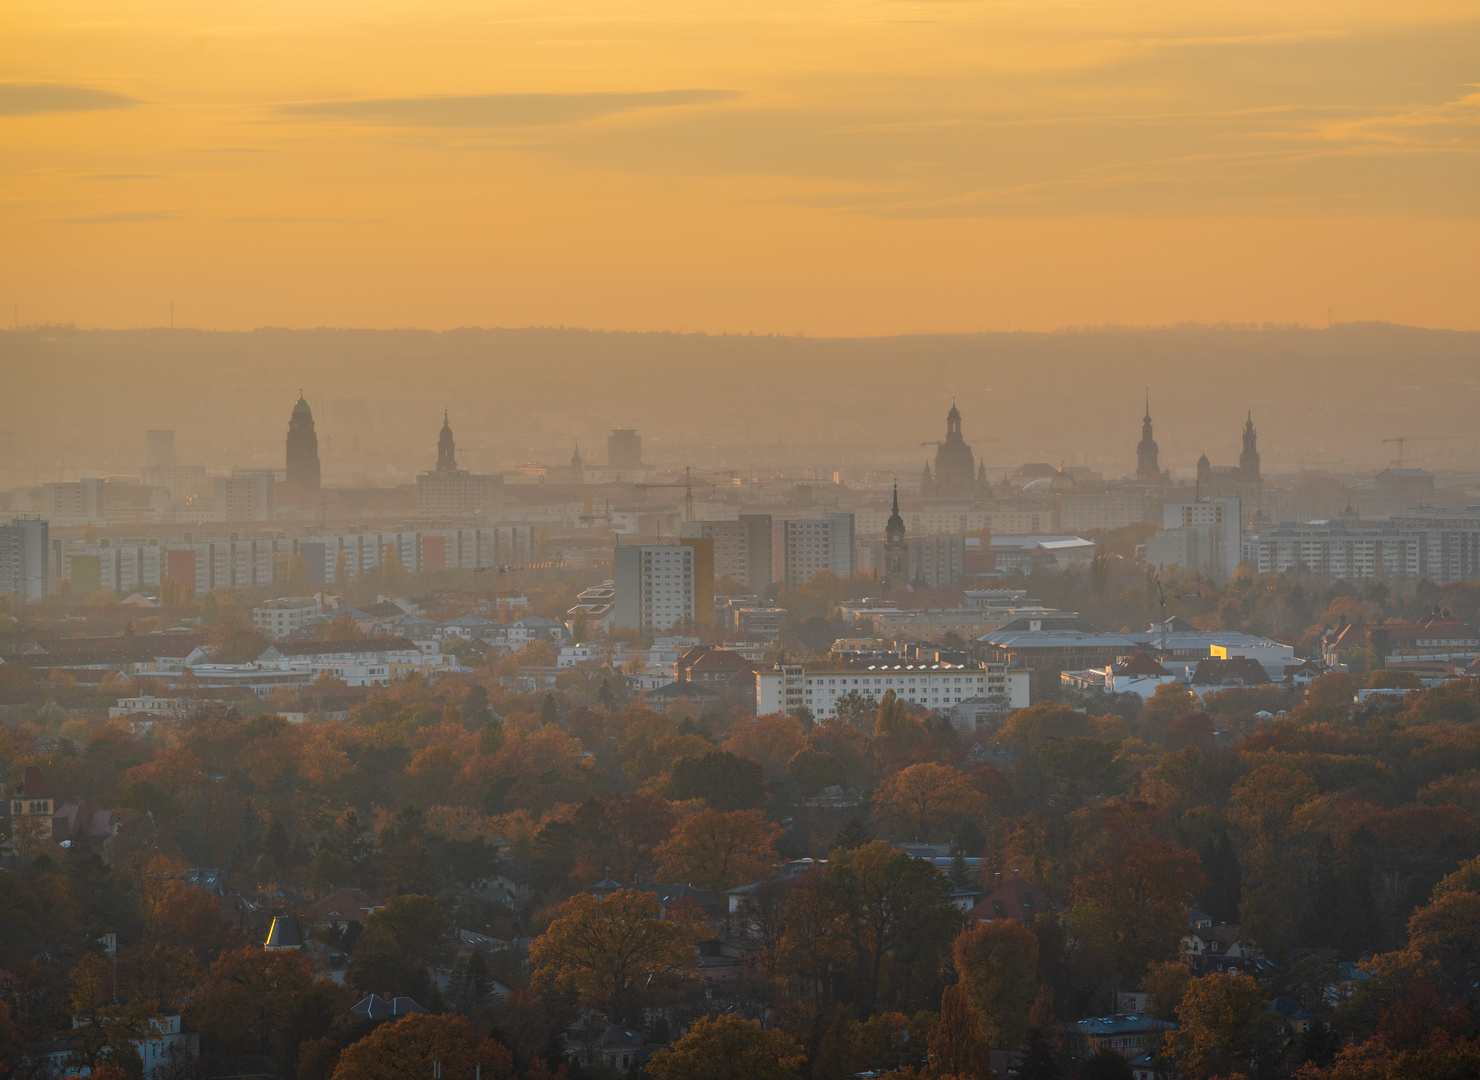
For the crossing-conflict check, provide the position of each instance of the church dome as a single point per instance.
(302, 409)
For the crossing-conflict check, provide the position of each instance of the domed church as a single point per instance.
(955, 466)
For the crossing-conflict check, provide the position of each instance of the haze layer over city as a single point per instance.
(799, 541)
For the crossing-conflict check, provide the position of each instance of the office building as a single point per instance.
(655, 587)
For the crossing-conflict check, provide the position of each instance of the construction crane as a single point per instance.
(688, 489)
(1162, 598)
(1403, 440)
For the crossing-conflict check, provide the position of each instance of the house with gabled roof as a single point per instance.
(344, 906)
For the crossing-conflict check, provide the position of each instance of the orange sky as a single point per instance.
(830, 168)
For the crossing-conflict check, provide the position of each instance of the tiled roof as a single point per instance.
(33, 785)
(1139, 663)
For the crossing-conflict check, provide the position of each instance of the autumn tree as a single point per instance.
(729, 1048)
(1165, 985)
(233, 634)
(1141, 884)
(1226, 1026)
(399, 943)
(957, 1049)
(1447, 931)
(254, 1002)
(409, 1046)
(770, 741)
(342, 627)
(609, 951)
(721, 779)
(893, 916)
(922, 798)
(997, 963)
(716, 850)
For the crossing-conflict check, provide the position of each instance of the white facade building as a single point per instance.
(936, 686)
(286, 615)
(655, 586)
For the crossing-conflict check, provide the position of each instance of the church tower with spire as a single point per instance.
(896, 550)
(577, 465)
(446, 448)
(1248, 460)
(1148, 466)
(303, 448)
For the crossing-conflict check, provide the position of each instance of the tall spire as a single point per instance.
(446, 448)
(1148, 465)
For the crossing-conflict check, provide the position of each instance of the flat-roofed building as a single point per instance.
(938, 686)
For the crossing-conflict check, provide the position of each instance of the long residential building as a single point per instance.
(247, 560)
(1442, 545)
(941, 687)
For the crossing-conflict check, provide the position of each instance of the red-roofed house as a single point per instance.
(1012, 899)
(344, 906)
(722, 670)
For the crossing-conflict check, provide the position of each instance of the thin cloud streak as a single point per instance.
(39, 99)
(121, 217)
(497, 110)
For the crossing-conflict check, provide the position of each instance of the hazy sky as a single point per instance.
(833, 168)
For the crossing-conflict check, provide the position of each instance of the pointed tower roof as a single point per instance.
(302, 405)
(895, 521)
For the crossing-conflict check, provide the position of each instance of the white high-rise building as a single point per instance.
(655, 586)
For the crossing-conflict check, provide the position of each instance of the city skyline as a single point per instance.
(838, 169)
